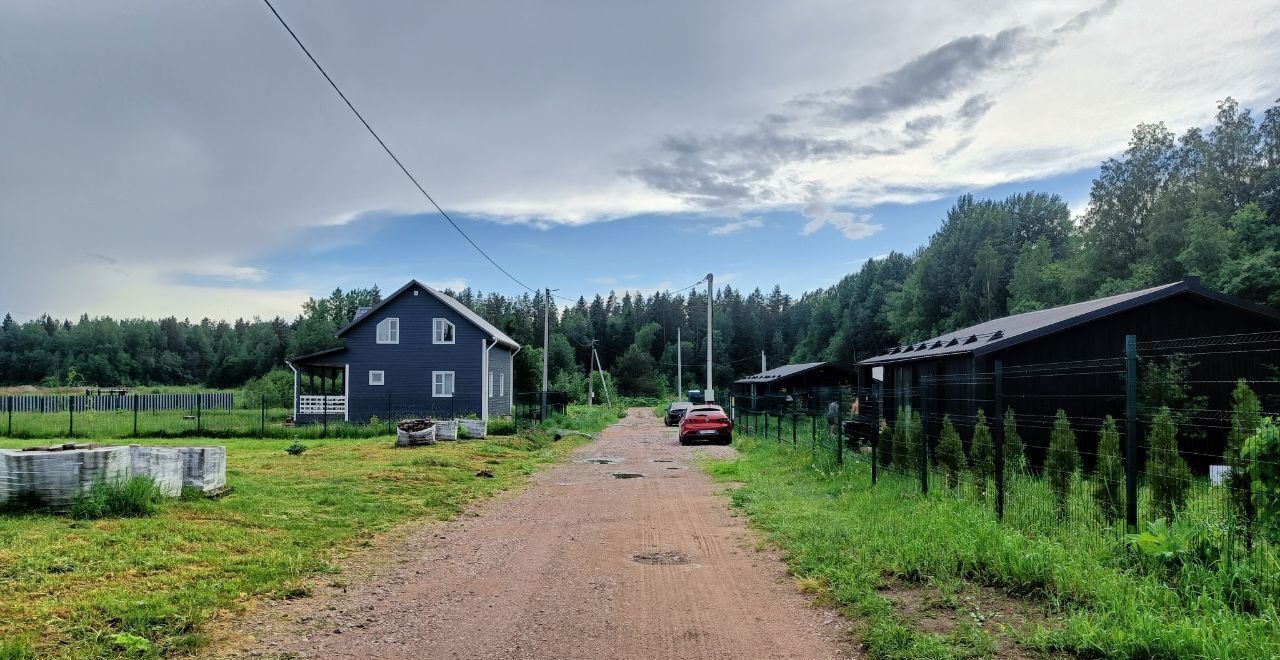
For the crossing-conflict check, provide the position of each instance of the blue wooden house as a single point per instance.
(418, 353)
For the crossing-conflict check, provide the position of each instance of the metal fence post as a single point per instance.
(839, 427)
(924, 434)
(324, 407)
(262, 418)
(517, 415)
(877, 413)
(198, 397)
(793, 430)
(999, 437)
(135, 415)
(71, 417)
(1131, 432)
(9, 407)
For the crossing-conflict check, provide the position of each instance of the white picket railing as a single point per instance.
(313, 404)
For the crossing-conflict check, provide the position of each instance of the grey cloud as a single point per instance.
(929, 78)
(1081, 20)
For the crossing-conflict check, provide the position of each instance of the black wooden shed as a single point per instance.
(1072, 358)
(767, 390)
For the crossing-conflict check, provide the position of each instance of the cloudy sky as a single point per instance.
(184, 158)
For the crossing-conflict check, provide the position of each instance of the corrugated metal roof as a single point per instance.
(1010, 330)
(458, 307)
(780, 372)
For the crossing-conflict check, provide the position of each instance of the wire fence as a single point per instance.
(248, 415)
(1097, 450)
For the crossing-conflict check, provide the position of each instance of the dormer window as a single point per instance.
(389, 331)
(443, 332)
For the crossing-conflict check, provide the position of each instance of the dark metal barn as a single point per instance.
(1072, 358)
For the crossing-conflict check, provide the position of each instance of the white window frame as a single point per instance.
(392, 335)
(437, 333)
(502, 384)
(436, 382)
(382, 378)
(491, 390)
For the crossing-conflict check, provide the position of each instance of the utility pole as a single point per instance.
(710, 396)
(603, 382)
(679, 367)
(546, 348)
(591, 375)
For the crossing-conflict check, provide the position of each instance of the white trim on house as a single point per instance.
(381, 378)
(296, 377)
(443, 331)
(436, 383)
(486, 387)
(389, 331)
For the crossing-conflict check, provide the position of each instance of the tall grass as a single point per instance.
(852, 539)
(122, 498)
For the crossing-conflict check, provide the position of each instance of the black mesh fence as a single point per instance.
(1154, 439)
(251, 415)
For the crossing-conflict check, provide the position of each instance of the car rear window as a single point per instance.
(680, 405)
(707, 410)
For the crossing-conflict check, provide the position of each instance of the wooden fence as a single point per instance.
(52, 403)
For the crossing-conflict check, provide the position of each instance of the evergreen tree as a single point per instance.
(1015, 457)
(1062, 462)
(982, 453)
(1167, 474)
(1246, 415)
(950, 453)
(1108, 480)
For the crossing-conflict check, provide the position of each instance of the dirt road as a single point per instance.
(580, 565)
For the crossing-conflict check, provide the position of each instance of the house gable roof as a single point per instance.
(1011, 330)
(458, 307)
(776, 373)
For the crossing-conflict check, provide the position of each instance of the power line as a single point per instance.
(388, 149)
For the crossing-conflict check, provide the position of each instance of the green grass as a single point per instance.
(850, 541)
(150, 585)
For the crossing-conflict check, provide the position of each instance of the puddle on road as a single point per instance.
(660, 558)
(626, 475)
(601, 460)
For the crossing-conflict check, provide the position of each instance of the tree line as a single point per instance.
(1206, 202)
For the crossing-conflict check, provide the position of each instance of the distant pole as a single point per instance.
(262, 419)
(603, 383)
(764, 364)
(1131, 431)
(679, 367)
(71, 421)
(710, 394)
(591, 375)
(546, 348)
(999, 436)
(9, 408)
(135, 415)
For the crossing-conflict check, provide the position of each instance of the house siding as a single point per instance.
(408, 365)
(501, 361)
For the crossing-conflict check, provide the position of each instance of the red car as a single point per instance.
(705, 422)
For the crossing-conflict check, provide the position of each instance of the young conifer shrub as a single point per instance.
(915, 440)
(1062, 462)
(1168, 476)
(982, 453)
(950, 453)
(1246, 414)
(1108, 481)
(1015, 458)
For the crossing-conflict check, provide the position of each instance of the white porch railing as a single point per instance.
(313, 404)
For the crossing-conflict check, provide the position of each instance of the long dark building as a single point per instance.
(1073, 358)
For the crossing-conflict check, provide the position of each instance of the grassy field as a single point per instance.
(899, 563)
(148, 586)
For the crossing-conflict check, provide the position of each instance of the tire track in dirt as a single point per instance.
(549, 573)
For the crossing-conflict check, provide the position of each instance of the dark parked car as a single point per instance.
(706, 423)
(676, 411)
